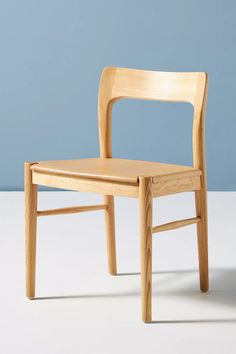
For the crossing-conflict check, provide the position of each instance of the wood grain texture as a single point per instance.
(175, 224)
(30, 230)
(202, 234)
(109, 214)
(178, 185)
(120, 83)
(169, 176)
(117, 170)
(71, 210)
(145, 204)
(199, 158)
(139, 179)
(86, 185)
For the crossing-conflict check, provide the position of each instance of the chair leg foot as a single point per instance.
(145, 199)
(110, 234)
(30, 230)
(202, 234)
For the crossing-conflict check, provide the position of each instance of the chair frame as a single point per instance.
(116, 84)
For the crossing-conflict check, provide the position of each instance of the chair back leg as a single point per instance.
(202, 234)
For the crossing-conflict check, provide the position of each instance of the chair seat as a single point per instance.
(112, 169)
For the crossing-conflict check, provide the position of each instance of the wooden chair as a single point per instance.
(139, 179)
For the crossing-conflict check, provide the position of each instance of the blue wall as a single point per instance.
(52, 54)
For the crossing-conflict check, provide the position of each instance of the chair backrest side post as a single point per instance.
(120, 83)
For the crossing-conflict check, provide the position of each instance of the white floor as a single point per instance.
(81, 309)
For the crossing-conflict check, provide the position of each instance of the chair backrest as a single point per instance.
(120, 83)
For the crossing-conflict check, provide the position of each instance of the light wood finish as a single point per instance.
(188, 173)
(116, 170)
(202, 233)
(110, 233)
(30, 230)
(124, 175)
(145, 204)
(86, 185)
(138, 179)
(178, 185)
(175, 225)
(119, 83)
(199, 159)
(72, 210)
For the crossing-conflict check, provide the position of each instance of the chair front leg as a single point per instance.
(30, 230)
(145, 200)
(110, 233)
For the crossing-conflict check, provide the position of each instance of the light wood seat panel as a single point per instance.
(117, 170)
